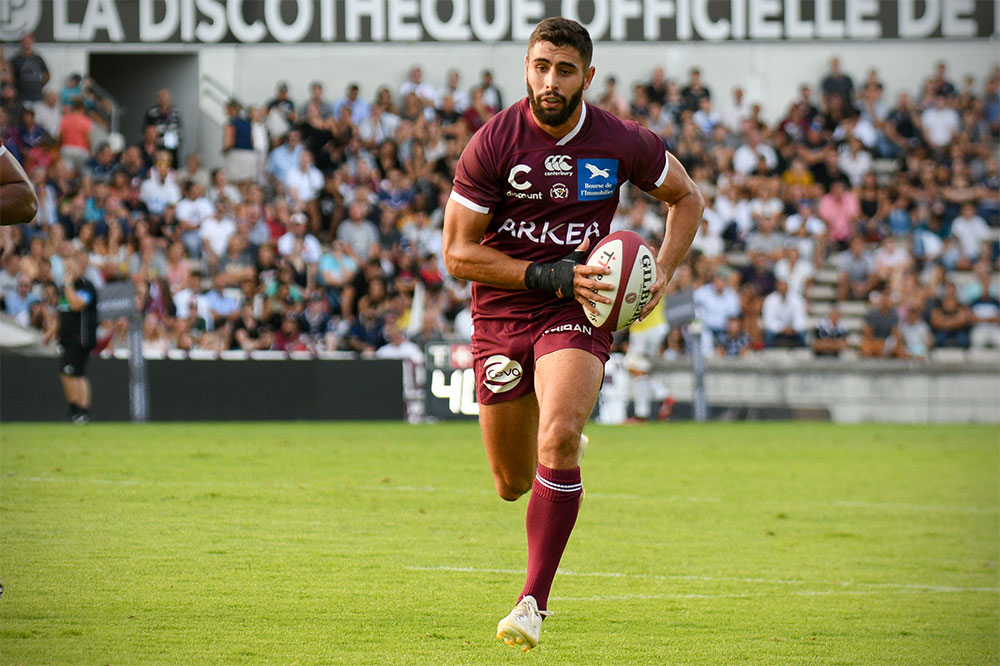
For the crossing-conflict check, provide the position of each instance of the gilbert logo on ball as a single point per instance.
(633, 272)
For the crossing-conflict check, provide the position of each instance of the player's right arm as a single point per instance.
(466, 258)
(18, 203)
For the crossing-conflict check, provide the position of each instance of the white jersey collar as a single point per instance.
(576, 130)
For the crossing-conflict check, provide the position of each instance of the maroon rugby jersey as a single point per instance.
(547, 195)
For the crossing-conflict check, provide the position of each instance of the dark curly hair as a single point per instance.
(564, 32)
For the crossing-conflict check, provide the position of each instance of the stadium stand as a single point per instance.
(321, 233)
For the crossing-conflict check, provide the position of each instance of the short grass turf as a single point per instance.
(334, 543)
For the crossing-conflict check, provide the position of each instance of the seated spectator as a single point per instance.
(285, 157)
(289, 337)
(899, 220)
(705, 117)
(766, 241)
(191, 211)
(881, 327)
(709, 244)
(830, 336)
(970, 233)
(856, 276)
(366, 333)
(246, 329)
(714, 304)
(398, 347)
(194, 171)
(784, 317)
(733, 342)
(303, 184)
(160, 189)
(315, 321)
(237, 264)
(358, 233)
(840, 210)
(48, 112)
(326, 110)
(950, 320)
(854, 161)
(915, 337)
(17, 303)
(359, 108)
(794, 270)
(758, 275)
(478, 113)
(940, 123)
(753, 149)
(892, 261)
(102, 165)
(216, 229)
(311, 248)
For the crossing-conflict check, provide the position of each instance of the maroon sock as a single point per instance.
(552, 509)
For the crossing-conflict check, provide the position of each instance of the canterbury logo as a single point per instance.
(558, 163)
(595, 171)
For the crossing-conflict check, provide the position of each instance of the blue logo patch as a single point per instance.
(596, 178)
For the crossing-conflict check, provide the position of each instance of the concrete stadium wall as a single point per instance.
(852, 391)
(770, 73)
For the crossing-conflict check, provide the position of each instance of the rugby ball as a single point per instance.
(633, 272)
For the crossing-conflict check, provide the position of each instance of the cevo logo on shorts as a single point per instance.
(596, 178)
(501, 374)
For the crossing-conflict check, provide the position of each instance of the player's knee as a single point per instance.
(510, 489)
(559, 438)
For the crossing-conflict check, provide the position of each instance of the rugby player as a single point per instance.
(535, 183)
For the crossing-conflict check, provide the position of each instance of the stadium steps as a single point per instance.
(821, 292)
(847, 308)
(826, 276)
(851, 323)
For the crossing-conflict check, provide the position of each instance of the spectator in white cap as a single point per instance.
(311, 249)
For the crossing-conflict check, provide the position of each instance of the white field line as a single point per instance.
(141, 482)
(903, 506)
(840, 585)
(844, 504)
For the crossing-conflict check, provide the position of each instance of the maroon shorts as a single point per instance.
(506, 348)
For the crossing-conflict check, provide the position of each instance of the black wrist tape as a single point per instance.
(556, 277)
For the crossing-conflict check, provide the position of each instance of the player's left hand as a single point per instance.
(663, 275)
(585, 284)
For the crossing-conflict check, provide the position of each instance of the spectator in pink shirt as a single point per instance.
(840, 210)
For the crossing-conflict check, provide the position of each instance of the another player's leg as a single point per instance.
(83, 399)
(567, 382)
(70, 390)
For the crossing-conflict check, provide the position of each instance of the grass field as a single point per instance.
(287, 543)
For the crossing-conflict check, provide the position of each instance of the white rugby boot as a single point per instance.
(584, 441)
(523, 625)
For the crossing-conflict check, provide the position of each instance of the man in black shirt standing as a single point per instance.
(77, 335)
(30, 72)
(167, 121)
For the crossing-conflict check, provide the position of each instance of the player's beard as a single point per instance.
(558, 116)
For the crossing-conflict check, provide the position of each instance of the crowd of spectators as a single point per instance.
(322, 229)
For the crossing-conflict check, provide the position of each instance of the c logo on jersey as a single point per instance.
(558, 165)
(597, 178)
(518, 169)
(501, 374)
(559, 192)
